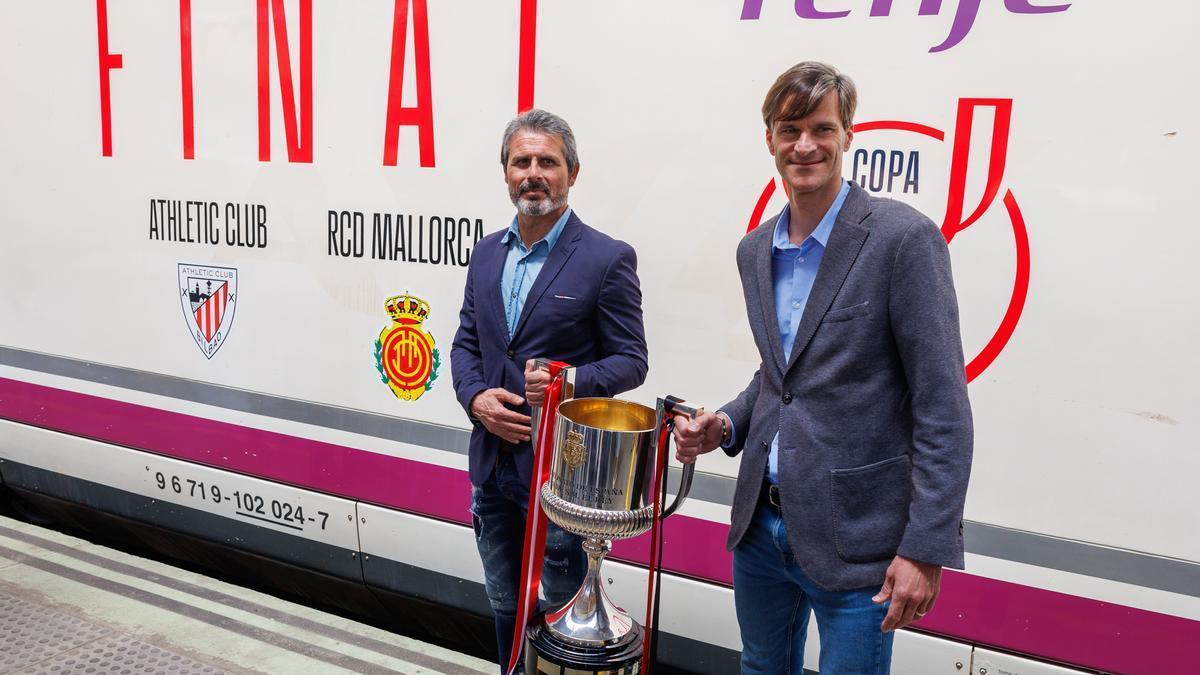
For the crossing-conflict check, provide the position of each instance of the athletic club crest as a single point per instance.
(405, 355)
(209, 296)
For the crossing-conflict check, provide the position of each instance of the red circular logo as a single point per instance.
(408, 357)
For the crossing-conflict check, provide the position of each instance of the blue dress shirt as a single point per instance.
(522, 265)
(794, 268)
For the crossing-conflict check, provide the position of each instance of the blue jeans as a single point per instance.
(774, 598)
(498, 509)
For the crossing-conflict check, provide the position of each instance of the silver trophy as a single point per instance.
(600, 488)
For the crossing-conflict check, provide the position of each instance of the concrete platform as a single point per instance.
(69, 606)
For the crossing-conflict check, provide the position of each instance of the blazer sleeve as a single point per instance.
(739, 411)
(466, 361)
(621, 334)
(925, 324)
(741, 408)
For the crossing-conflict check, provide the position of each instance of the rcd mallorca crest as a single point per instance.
(209, 296)
(405, 355)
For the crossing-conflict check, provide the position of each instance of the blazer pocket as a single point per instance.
(564, 307)
(869, 509)
(847, 313)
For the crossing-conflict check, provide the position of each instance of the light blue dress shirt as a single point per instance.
(794, 268)
(522, 265)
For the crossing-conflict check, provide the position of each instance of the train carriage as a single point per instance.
(235, 239)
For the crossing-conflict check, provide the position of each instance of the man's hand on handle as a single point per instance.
(488, 408)
(536, 381)
(694, 437)
(913, 587)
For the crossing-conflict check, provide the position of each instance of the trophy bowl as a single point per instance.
(601, 468)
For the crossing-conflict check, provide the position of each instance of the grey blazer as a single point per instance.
(874, 424)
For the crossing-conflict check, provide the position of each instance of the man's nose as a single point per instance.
(804, 144)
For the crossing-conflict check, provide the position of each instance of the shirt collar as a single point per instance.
(821, 233)
(551, 238)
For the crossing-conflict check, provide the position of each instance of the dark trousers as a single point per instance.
(498, 509)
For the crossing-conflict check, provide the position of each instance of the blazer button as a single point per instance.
(511, 353)
(787, 398)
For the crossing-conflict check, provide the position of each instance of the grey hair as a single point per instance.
(542, 122)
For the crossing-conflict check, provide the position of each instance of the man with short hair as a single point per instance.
(855, 433)
(546, 287)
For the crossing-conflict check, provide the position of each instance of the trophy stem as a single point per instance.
(590, 618)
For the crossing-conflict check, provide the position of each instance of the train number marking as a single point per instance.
(246, 504)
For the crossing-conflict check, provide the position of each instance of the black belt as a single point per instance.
(770, 494)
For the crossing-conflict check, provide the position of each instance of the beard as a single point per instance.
(528, 207)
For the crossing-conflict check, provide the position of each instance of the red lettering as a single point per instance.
(526, 75)
(107, 62)
(185, 77)
(420, 115)
(954, 222)
(299, 140)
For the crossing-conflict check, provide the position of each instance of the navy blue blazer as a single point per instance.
(585, 309)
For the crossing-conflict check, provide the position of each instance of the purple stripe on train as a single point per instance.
(693, 547)
(1023, 619)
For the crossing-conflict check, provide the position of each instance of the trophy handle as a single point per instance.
(666, 408)
(685, 486)
(567, 373)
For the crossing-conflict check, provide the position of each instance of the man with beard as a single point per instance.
(547, 287)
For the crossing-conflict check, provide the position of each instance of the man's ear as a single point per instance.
(770, 144)
(574, 174)
(849, 137)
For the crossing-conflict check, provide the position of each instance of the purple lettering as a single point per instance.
(884, 7)
(751, 10)
(1025, 7)
(964, 19)
(806, 9)
(964, 15)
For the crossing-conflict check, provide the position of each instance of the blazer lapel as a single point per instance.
(559, 255)
(495, 296)
(764, 274)
(845, 241)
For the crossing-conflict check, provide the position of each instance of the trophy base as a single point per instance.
(547, 655)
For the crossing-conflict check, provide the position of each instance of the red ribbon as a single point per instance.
(658, 489)
(536, 519)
